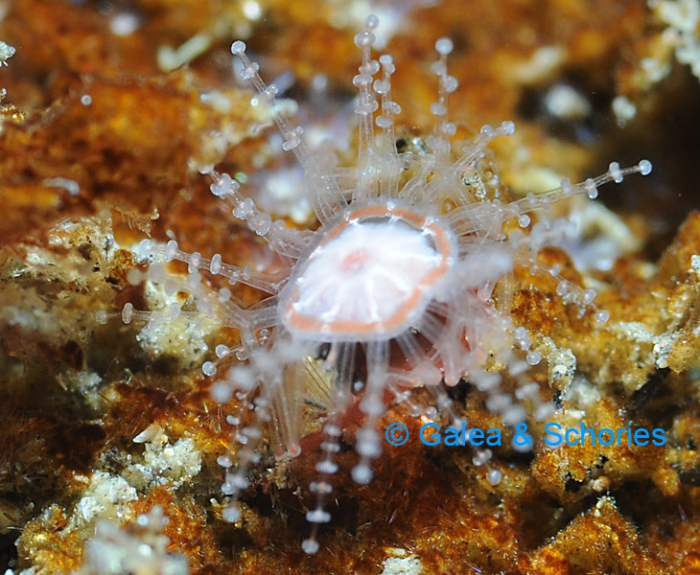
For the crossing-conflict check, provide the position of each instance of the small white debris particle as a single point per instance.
(663, 345)
(251, 10)
(124, 24)
(543, 63)
(624, 110)
(6, 52)
(695, 264)
(151, 433)
(169, 59)
(71, 186)
(565, 102)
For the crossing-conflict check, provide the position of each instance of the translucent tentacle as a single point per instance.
(390, 162)
(269, 283)
(368, 444)
(344, 362)
(589, 187)
(284, 240)
(444, 130)
(326, 198)
(367, 105)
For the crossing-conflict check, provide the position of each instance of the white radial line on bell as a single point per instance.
(313, 299)
(368, 295)
(388, 276)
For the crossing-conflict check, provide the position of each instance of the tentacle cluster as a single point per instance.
(400, 273)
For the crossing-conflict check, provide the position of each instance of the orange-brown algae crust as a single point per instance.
(577, 510)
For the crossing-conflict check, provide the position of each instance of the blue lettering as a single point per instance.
(601, 435)
(551, 431)
(641, 436)
(452, 437)
(435, 437)
(587, 430)
(568, 439)
(659, 436)
(476, 436)
(493, 437)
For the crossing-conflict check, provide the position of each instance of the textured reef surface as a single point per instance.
(117, 438)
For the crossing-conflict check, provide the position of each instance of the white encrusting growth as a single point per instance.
(6, 52)
(143, 549)
(403, 266)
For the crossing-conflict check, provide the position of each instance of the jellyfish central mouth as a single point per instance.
(356, 261)
(370, 277)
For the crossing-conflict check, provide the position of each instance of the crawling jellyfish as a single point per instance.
(397, 283)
